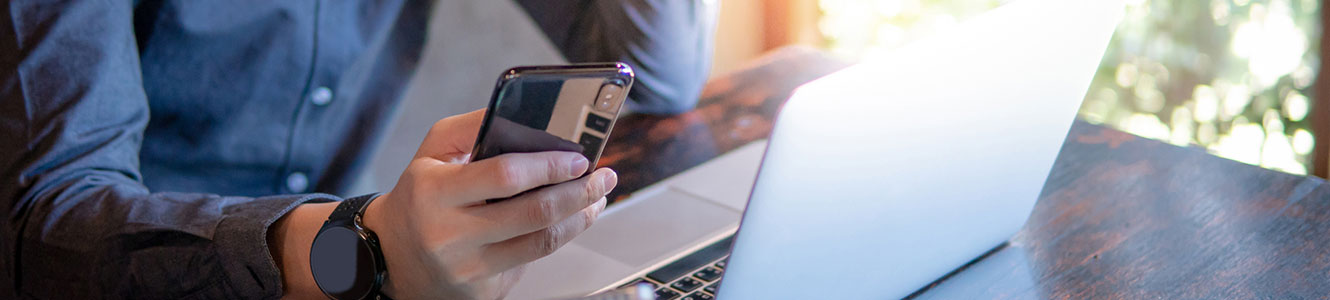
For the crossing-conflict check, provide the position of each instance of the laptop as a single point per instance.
(877, 180)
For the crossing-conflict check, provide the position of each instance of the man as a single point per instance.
(168, 149)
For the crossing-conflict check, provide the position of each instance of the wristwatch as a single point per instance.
(345, 257)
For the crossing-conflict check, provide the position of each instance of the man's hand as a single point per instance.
(439, 237)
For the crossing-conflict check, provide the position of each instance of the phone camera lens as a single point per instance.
(605, 100)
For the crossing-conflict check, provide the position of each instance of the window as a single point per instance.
(1231, 76)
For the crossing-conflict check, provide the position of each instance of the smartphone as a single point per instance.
(554, 108)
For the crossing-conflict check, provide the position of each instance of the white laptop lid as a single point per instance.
(885, 176)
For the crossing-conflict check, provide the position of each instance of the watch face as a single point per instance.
(342, 263)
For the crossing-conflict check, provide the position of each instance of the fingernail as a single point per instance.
(578, 165)
(609, 180)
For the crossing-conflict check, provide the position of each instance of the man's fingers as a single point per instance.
(545, 207)
(531, 246)
(507, 175)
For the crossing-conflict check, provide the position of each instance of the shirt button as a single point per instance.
(297, 182)
(321, 96)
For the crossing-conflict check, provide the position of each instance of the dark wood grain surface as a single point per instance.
(1127, 217)
(1120, 216)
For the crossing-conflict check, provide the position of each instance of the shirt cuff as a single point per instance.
(242, 242)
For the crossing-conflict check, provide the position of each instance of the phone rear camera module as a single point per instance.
(605, 100)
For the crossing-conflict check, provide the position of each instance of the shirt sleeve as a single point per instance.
(667, 42)
(79, 222)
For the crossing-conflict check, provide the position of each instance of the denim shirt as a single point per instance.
(146, 146)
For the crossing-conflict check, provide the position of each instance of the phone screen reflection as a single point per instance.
(546, 113)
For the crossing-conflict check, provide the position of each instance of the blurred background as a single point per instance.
(1234, 77)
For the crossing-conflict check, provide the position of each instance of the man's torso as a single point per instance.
(268, 97)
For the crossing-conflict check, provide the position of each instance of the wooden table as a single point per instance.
(1119, 217)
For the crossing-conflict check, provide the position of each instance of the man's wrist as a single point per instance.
(289, 240)
(372, 218)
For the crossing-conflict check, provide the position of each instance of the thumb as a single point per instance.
(452, 137)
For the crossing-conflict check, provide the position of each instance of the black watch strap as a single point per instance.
(345, 216)
(348, 209)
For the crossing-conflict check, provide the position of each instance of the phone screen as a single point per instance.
(552, 112)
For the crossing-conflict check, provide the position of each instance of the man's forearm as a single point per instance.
(289, 240)
(668, 43)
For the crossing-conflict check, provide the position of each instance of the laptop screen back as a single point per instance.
(865, 194)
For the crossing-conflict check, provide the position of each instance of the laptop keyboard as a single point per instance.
(692, 277)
